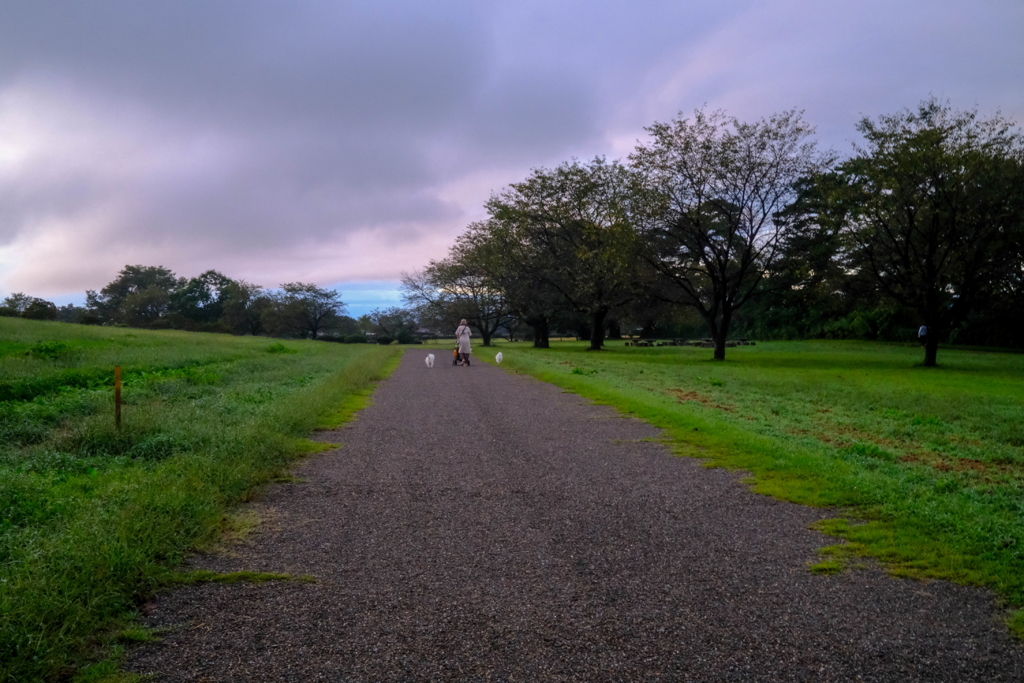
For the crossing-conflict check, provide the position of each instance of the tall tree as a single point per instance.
(244, 306)
(40, 309)
(395, 323)
(934, 204)
(15, 304)
(202, 298)
(458, 287)
(521, 270)
(137, 296)
(713, 186)
(578, 217)
(313, 308)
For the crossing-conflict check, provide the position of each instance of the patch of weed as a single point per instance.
(280, 348)
(50, 350)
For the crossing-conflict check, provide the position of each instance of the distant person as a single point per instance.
(462, 335)
(922, 335)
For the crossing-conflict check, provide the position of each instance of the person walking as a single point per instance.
(462, 335)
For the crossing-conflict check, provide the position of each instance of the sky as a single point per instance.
(344, 143)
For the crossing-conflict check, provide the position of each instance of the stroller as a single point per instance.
(455, 356)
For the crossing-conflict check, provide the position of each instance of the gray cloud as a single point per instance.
(342, 141)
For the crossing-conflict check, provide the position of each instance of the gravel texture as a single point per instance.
(536, 537)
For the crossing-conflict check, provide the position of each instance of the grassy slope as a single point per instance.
(92, 518)
(933, 459)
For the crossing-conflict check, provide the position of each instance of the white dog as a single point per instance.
(430, 360)
(497, 358)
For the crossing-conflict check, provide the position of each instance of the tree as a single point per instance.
(521, 270)
(40, 309)
(934, 205)
(309, 309)
(365, 325)
(23, 305)
(15, 304)
(122, 299)
(202, 298)
(244, 305)
(576, 220)
(143, 307)
(457, 288)
(394, 323)
(713, 187)
(70, 313)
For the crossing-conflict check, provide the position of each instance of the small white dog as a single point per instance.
(497, 358)
(430, 360)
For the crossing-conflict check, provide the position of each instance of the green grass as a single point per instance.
(93, 519)
(926, 465)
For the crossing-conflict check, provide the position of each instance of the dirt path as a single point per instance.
(535, 537)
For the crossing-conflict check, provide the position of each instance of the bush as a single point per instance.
(50, 350)
(355, 339)
(406, 337)
(384, 341)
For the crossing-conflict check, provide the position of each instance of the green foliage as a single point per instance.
(713, 190)
(931, 463)
(92, 518)
(934, 209)
(49, 349)
(303, 310)
(22, 305)
(583, 245)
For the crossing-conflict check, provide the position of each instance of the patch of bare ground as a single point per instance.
(683, 396)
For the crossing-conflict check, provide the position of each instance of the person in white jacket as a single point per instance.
(462, 335)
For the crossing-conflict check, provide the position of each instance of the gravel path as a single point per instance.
(540, 538)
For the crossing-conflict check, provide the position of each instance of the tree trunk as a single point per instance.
(720, 333)
(597, 329)
(614, 329)
(541, 332)
(931, 349)
(486, 337)
(719, 346)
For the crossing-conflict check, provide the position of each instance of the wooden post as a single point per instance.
(117, 396)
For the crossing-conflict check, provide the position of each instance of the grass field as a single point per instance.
(92, 518)
(926, 465)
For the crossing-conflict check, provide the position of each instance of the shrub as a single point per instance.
(50, 350)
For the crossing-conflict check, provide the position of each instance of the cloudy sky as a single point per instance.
(345, 142)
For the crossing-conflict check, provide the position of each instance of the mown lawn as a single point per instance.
(925, 465)
(92, 518)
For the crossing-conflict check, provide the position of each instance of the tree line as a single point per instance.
(717, 227)
(712, 228)
(153, 297)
